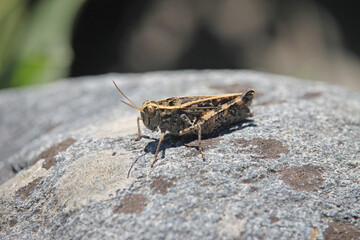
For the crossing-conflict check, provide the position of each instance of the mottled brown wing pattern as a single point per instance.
(177, 118)
(195, 101)
(225, 114)
(178, 101)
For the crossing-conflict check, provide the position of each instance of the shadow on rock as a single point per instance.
(207, 141)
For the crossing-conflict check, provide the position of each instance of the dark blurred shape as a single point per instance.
(100, 32)
(211, 55)
(299, 38)
(347, 17)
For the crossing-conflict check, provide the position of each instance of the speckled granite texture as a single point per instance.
(290, 172)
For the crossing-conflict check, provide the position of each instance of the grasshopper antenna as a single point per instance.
(129, 105)
(134, 105)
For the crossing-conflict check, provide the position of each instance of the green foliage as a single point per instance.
(35, 40)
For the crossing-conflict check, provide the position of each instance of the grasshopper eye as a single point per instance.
(150, 110)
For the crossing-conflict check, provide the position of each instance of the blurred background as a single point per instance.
(45, 40)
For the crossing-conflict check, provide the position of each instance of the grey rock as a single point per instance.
(290, 172)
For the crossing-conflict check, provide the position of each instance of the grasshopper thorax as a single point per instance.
(150, 115)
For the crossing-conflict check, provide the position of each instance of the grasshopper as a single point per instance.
(195, 114)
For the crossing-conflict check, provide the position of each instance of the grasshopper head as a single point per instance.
(150, 115)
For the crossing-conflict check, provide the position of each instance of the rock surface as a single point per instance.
(290, 172)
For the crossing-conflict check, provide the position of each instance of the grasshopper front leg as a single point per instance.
(139, 137)
(139, 131)
(158, 147)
